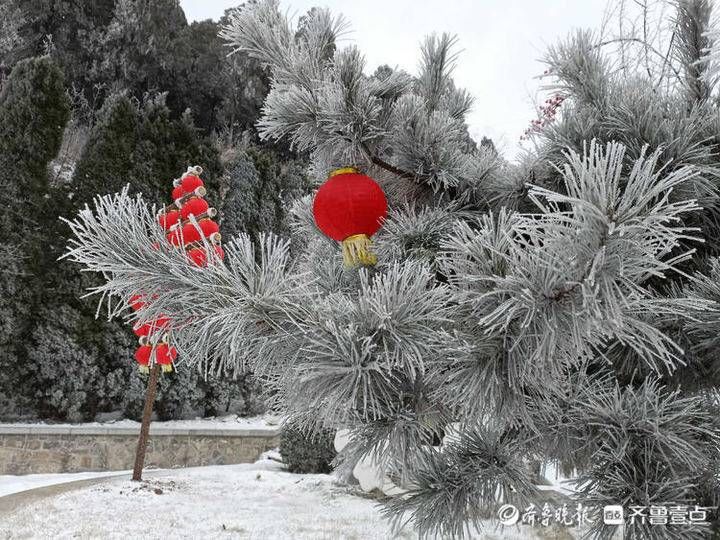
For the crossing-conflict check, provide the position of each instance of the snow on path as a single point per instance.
(253, 501)
(10, 484)
(221, 422)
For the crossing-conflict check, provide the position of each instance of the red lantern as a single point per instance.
(177, 192)
(350, 208)
(137, 302)
(197, 256)
(208, 227)
(142, 355)
(165, 356)
(151, 327)
(195, 206)
(190, 233)
(168, 219)
(190, 183)
(143, 330)
(174, 237)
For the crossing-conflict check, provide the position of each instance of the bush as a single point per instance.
(305, 452)
(186, 394)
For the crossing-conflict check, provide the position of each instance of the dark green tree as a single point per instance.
(137, 46)
(198, 73)
(260, 187)
(69, 29)
(34, 109)
(143, 146)
(166, 147)
(107, 157)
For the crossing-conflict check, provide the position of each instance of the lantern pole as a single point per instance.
(145, 426)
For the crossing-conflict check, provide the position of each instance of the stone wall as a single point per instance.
(25, 450)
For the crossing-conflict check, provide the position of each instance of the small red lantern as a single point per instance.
(198, 255)
(190, 233)
(195, 207)
(165, 356)
(168, 219)
(174, 237)
(137, 302)
(208, 227)
(350, 208)
(190, 183)
(177, 192)
(142, 355)
(143, 330)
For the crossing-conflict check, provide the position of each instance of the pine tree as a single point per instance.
(520, 307)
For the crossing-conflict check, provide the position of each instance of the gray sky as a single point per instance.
(501, 42)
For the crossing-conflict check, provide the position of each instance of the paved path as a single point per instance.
(12, 502)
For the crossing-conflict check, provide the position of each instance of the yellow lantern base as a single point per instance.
(356, 251)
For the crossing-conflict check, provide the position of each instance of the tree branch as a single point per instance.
(378, 161)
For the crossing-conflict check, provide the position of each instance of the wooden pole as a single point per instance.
(145, 427)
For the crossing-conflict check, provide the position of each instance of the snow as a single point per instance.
(559, 483)
(256, 501)
(10, 484)
(229, 422)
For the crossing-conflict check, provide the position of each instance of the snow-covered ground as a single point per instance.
(258, 501)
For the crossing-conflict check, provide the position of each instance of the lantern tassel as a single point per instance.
(356, 251)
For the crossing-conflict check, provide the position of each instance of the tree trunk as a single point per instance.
(145, 427)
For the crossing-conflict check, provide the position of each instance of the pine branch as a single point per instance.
(376, 160)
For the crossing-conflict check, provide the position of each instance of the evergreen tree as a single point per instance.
(519, 306)
(107, 160)
(223, 93)
(260, 187)
(33, 111)
(137, 46)
(11, 22)
(143, 146)
(68, 29)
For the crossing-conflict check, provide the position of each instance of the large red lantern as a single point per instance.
(350, 207)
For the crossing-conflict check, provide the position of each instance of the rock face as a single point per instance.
(45, 450)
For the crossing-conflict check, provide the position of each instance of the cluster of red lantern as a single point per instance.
(189, 220)
(188, 223)
(147, 333)
(350, 207)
